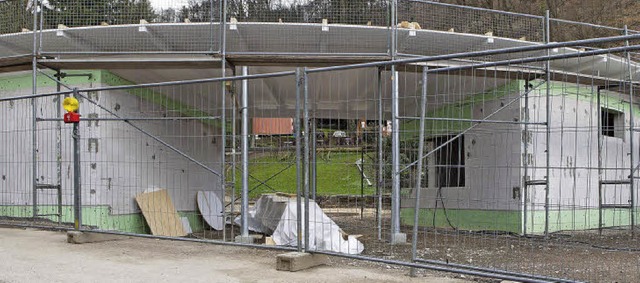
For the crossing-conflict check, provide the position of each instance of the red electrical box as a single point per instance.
(72, 117)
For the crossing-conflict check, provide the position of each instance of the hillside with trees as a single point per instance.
(614, 13)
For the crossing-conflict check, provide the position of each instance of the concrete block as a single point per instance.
(245, 240)
(295, 261)
(269, 241)
(77, 237)
(398, 239)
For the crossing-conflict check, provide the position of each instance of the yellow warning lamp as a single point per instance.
(71, 104)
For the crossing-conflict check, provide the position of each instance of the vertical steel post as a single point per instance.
(396, 236)
(362, 175)
(34, 10)
(223, 28)
(34, 109)
(234, 146)
(548, 132)
(59, 149)
(77, 187)
(223, 145)
(223, 117)
(41, 27)
(631, 138)
(394, 29)
(380, 156)
(525, 162)
(418, 187)
(599, 134)
(314, 161)
(306, 158)
(245, 154)
(298, 160)
(211, 18)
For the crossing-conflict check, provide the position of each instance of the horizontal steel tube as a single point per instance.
(55, 53)
(473, 120)
(616, 206)
(308, 54)
(206, 241)
(22, 97)
(198, 81)
(536, 183)
(133, 119)
(587, 24)
(615, 182)
(29, 56)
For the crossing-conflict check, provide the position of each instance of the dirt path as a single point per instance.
(38, 256)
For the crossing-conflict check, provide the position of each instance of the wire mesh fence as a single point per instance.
(361, 12)
(563, 30)
(157, 153)
(130, 27)
(515, 164)
(252, 27)
(508, 155)
(16, 18)
(16, 15)
(462, 19)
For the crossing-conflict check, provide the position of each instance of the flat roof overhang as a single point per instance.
(196, 45)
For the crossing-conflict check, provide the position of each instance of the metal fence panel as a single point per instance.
(527, 163)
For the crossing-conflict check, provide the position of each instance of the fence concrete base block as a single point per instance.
(398, 238)
(77, 237)
(295, 261)
(245, 240)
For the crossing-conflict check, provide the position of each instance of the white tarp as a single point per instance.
(324, 234)
(277, 216)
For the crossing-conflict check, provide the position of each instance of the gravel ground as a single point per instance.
(613, 256)
(610, 256)
(44, 256)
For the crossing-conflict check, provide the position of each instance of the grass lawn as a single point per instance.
(337, 174)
